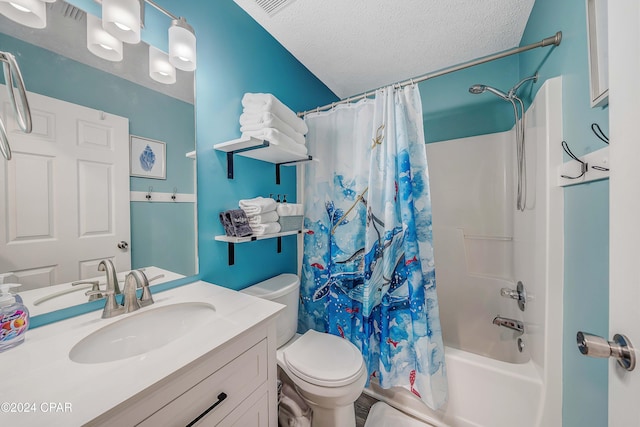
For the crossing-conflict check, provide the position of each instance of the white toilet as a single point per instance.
(329, 372)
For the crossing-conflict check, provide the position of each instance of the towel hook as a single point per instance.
(598, 132)
(584, 167)
(148, 196)
(175, 191)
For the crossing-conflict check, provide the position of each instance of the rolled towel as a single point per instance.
(269, 120)
(290, 209)
(278, 138)
(257, 205)
(268, 228)
(271, 216)
(266, 102)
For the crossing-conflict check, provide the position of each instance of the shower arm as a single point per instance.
(554, 40)
(512, 92)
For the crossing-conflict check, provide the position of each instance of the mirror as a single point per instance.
(76, 96)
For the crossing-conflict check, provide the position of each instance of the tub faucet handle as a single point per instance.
(519, 294)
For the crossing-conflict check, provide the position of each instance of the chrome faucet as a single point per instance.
(107, 266)
(130, 302)
(129, 297)
(134, 280)
(512, 324)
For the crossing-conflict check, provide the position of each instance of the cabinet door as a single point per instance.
(252, 412)
(236, 380)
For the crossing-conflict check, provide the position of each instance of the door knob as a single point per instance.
(620, 348)
(123, 245)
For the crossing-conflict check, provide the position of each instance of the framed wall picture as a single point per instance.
(597, 33)
(147, 158)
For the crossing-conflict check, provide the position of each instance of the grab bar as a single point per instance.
(14, 81)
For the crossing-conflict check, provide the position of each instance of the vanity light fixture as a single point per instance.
(182, 45)
(123, 19)
(100, 42)
(160, 69)
(31, 13)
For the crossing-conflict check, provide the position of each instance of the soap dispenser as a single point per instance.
(14, 318)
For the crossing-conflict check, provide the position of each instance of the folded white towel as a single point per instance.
(263, 218)
(275, 137)
(269, 120)
(290, 209)
(268, 228)
(257, 205)
(266, 102)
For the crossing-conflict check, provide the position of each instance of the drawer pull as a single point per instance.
(221, 397)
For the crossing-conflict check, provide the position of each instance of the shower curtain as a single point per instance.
(368, 270)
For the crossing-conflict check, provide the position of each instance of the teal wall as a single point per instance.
(586, 293)
(451, 112)
(151, 115)
(235, 56)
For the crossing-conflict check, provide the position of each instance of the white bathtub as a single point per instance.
(483, 392)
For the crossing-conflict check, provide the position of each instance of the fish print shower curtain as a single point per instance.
(368, 269)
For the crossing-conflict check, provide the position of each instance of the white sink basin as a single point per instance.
(141, 332)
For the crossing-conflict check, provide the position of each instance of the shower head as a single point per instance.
(477, 89)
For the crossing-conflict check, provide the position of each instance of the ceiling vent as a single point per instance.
(273, 6)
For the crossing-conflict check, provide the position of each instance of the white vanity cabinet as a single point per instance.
(234, 385)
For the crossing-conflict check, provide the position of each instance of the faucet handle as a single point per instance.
(111, 306)
(95, 286)
(519, 294)
(146, 298)
(85, 282)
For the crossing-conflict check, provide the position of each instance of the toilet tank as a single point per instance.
(283, 289)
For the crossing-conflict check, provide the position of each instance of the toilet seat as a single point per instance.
(324, 360)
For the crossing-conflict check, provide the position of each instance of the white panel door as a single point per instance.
(624, 113)
(64, 197)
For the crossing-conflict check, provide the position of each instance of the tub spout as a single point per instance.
(513, 324)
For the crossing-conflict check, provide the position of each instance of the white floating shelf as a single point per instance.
(231, 239)
(260, 150)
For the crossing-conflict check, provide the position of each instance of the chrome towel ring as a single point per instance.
(15, 83)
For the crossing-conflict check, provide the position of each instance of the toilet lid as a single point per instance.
(323, 359)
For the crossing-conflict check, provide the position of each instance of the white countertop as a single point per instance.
(39, 375)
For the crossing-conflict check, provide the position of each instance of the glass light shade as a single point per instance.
(182, 45)
(121, 19)
(101, 43)
(160, 69)
(31, 13)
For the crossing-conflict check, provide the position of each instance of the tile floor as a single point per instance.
(363, 404)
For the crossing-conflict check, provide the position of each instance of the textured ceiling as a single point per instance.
(358, 45)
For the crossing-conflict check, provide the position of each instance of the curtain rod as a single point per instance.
(553, 40)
